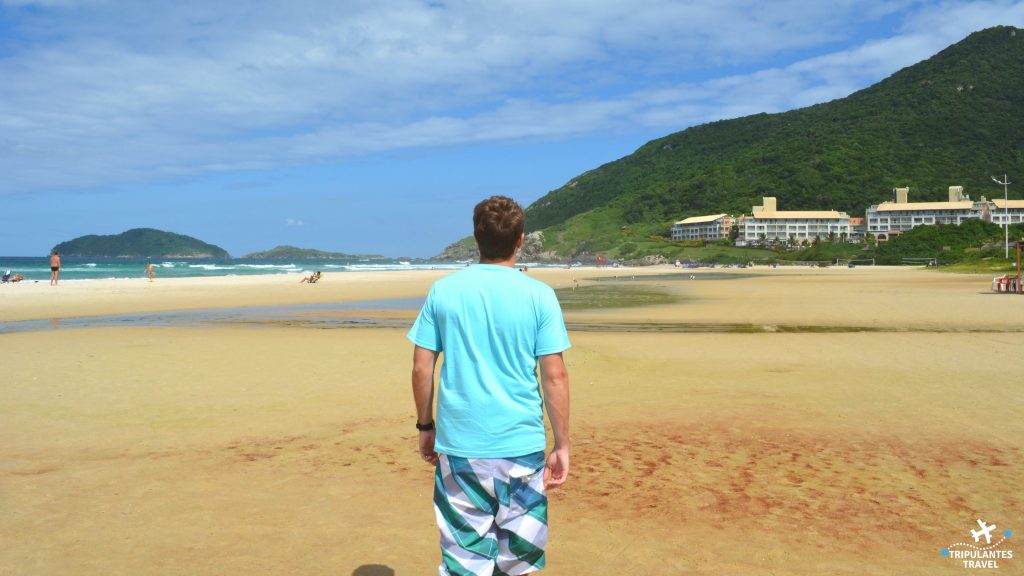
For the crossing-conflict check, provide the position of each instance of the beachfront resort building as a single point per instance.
(767, 224)
(1002, 212)
(890, 218)
(713, 227)
(858, 226)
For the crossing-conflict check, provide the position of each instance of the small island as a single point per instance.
(294, 253)
(140, 243)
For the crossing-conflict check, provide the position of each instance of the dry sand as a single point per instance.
(291, 451)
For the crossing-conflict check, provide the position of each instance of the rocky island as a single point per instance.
(293, 253)
(140, 243)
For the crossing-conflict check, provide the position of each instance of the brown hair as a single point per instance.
(497, 226)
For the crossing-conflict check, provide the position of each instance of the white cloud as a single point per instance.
(294, 222)
(102, 92)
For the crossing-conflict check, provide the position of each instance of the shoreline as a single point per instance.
(720, 296)
(37, 300)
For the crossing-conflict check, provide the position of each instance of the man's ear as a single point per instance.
(522, 238)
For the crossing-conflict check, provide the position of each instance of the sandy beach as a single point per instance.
(765, 421)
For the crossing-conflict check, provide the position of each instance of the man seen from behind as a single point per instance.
(496, 327)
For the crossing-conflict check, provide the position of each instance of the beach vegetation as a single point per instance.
(972, 241)
(825, 251)
(599, 296)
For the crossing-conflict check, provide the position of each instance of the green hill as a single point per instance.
(293, 253)
(141, 243)
(953, 119)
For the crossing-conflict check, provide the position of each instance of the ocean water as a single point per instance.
(35, 268)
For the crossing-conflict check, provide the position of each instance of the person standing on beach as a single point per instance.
(149, 271)
(54, 267)
(495, 327)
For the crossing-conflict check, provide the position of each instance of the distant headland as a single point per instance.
(293, 253)
(140, 243)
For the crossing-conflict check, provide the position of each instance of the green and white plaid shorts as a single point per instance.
(493, 514)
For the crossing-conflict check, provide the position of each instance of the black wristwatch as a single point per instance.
(425, 427)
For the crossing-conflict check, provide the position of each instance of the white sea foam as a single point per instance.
(407, 266)
(269, 266)
(38, 269)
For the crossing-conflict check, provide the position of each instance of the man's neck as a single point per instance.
(510, 262)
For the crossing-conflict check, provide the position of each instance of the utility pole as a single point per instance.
(1006, 210)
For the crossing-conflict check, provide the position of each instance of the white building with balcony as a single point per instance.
(889, 218)
(713, 227)
(768, 224)
(1003, 212)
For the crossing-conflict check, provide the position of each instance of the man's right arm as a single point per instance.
(554, 379)
(423, 363)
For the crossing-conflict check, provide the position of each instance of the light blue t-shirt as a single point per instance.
(492, 323)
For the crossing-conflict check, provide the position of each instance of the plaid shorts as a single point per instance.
(493, 514)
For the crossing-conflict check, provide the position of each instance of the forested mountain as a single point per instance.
(141, 243)
(953, 119)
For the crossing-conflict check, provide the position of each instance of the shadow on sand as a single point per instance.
(373, 570)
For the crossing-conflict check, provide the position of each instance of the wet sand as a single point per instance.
(291, 450)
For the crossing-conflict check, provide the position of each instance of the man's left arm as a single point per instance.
(423, 363)
(554, 380)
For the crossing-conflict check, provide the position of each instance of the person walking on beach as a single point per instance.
(149, 271)
(495, 327)
(54, 267)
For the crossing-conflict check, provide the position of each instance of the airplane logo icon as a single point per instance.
(985, 531)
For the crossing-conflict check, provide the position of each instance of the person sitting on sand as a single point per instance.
(6, 277)
(312, 278)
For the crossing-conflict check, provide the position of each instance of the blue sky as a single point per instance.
(374, 127)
